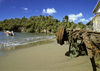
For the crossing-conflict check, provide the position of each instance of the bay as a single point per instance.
(21, 39)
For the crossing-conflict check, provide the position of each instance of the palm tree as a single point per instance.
(65, 19)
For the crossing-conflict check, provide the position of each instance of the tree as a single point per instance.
(81, 25)
(65, 19)
(37, 24)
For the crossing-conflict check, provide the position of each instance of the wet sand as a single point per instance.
(45, 57)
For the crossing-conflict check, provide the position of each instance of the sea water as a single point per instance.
(21, 39)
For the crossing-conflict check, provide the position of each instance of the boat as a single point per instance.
(9, 33)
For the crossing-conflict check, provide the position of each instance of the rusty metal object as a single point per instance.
(89, 42)
(61, 35)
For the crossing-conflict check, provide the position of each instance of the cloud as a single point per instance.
(83, 20)
(49, 11)
(25, 9)
(90, 18)
(74, 17)
(79, 18)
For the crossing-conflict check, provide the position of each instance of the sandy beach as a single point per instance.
(45, 57)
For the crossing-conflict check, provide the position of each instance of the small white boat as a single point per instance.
(8, 33)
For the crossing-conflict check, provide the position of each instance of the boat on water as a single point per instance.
(9, 33)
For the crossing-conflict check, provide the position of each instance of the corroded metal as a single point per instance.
(80, 41)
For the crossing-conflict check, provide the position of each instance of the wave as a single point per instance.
(22, 39)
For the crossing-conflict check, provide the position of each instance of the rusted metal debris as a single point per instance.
(82, 41)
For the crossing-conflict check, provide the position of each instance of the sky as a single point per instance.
(77, 10)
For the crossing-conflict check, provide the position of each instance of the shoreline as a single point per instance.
(5, 51)
(20, 39)
(30, 44)
(46, 57)
(33, 44)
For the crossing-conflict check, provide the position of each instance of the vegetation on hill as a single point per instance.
(37, 24)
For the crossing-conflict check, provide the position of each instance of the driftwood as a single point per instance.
(81, 40)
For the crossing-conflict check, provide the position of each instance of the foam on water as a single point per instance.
(21, 39)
